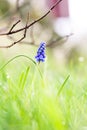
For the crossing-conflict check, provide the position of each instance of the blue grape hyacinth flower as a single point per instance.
(40, 57)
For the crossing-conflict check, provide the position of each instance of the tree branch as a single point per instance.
(58, 41)
(25, 31)
(34, 22)
(11, 31)
(14, 26)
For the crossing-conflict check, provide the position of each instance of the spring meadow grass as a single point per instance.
(42, 96)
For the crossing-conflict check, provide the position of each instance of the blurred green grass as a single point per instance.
(43, 97)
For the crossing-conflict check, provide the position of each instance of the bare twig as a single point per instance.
(58, 41)
(34, 22)
(11, 31)
(51, 44)
(17, 4)
(14, 26)
(18, 8)
(11, 14)
(8, 46)
(32, 34)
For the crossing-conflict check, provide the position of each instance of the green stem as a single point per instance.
(25, 57)
(63, 84)
(17, 57)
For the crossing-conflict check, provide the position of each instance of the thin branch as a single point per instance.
(18, 10)
(14, 26)
(25, 31)
(51, 44)
(11, 18)
(11, 31)
(58, 41)
(32, 34)
(23, 42)
(34, 22)
(17, 4)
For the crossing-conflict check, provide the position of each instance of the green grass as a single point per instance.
(43, 97)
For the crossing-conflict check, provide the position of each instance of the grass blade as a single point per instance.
(24, 78)
(62, 86)
(18, 57)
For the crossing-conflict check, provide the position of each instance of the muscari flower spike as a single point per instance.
(40, 57)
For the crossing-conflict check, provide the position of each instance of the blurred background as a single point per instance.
(64, 30)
